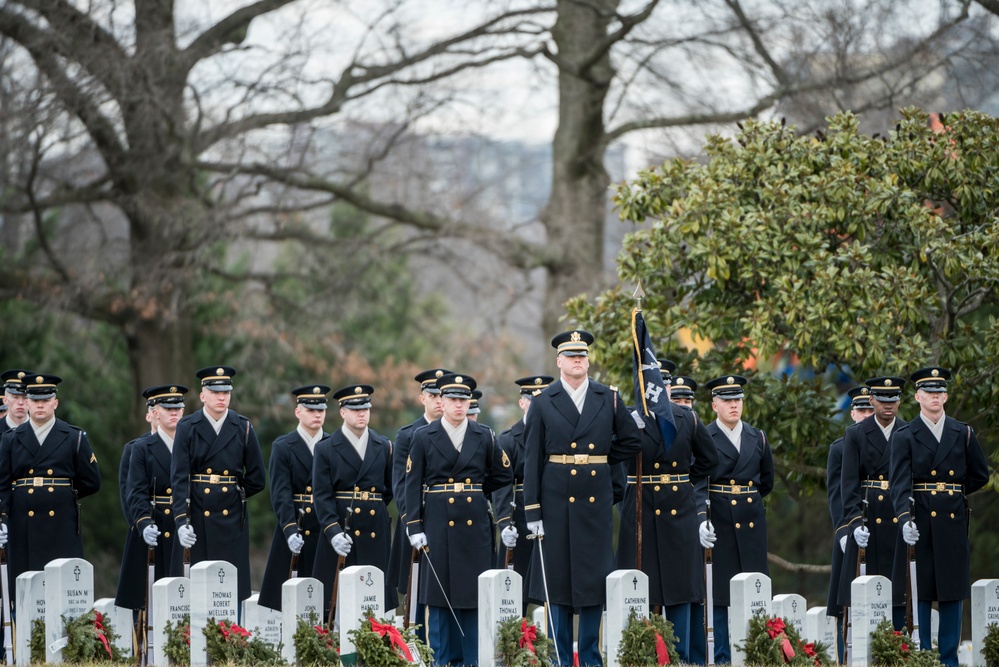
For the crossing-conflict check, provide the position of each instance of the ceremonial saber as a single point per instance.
(8, 626)
(447, 601)
(412, 589)
(709, 598)
(548, 599)
(293, 567)
(913, 606)
(146, 617)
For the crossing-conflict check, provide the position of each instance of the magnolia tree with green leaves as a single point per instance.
(843, 252)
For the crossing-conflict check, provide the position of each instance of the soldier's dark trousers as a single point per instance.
(950, 629)
(588, 644)
(698, 643)
(679, 616)
(450, 647)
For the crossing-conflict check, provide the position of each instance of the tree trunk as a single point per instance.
(574, 217)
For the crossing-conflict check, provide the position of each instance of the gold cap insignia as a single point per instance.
(439, 374)
(935, 372)
(537, 380)
(173, 390)
(575, 337)
(888, 382)
(458, 379)
(39, 379)
(317, 390)
(357, 390)
(20, 376)
(865, 391)
(219, 371)
(679, 380)
(730, 379)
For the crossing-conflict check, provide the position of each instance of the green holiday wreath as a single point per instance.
(647, 642)
(228, 643)
(774, 641)
(316, 644)
(519, 643)
(381, 644)
(894, 648)
(990, 647)
(37, 644)
(91, 639)
(177, 646)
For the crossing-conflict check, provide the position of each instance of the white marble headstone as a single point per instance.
(214, 595)
(984, 611)
(263, 622)
(750, 596)
(301, 597)
(29, 606)
(627, 591)
(171, 602)
(361, 588)
(821, 628)
(69, 592)
(500, 597)
(870, 598)
(121, 623)
(965, 654)
(792, 608)
(540, 618)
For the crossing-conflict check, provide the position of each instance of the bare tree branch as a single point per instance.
(798, 567)
(754, 36)
(230, 30)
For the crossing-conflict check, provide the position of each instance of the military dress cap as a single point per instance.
(14, 380)
(667, 368)
(575, 343)
(932, 379)
(727, 387)
(355, 396)
(166, 395)
(886, 389)
(533, 385)
(40, 386)
(312, 396)
(683, 387)
(456, 385)
(428, 379)
(473, 405)
(860, 398)
(216, 378)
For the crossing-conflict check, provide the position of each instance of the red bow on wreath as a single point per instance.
(101, 632)
(394, 637)
(775, 628)
(809, 650)
(662, 653)
(528, 635)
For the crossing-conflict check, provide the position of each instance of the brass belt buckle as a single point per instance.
(459, 487)
(736, 488)
(214, 479)
(364, 495)
(37, 481)
(941, 486)
(664, 479)
(884, 485)
(581, 459)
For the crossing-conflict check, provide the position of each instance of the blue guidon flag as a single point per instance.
(651, 398)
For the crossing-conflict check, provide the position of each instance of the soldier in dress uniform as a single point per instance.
(458, 462)
(674, 490)
(860, 409)
(352, 479)
(46, 467)
(738, 530)
(217, 465)
(126, 456)
(433, 408)
(148, 497)
(297, 530)
(474, 409)
(865, 476)
(682, 391)
(508, 502)
(15, 401)
(938, 461)
(576, 429)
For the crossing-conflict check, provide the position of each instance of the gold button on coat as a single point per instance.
(31, 512)
(469, 522)
(738, 525)
(450, 523)
(673, 512)
(658, 512)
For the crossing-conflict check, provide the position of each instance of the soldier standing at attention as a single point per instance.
(866, 474)
(15, 402)
(743, 477)
(148, 496)
(217, 465)
(297, 530)
(576, 429)
(860, 409)
(46, 467)
(459, 463)
(938, 461)
(682, 391)
(672, 513)
(352, 478)
(399, 559)
(508, 502)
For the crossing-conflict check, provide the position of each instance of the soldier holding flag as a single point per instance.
(673, 481)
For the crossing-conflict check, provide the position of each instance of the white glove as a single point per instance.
(862, 535)
(842, 543)
(509, 536)
(418, 541)
(295, 543)
(342, 543)
(536, 527)
(150, 534)
(910, 534)
(706, 533)
(3, 535)
(186, 536)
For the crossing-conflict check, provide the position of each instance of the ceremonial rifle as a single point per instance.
(912, 604)
(709, 599)
(8, 626)
(861, 571)
(340, 562)
(293, 566)
(187, 550)
(412, 588)
(145, 616)
(509, 550)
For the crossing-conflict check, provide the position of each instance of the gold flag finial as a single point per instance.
(639, 294)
